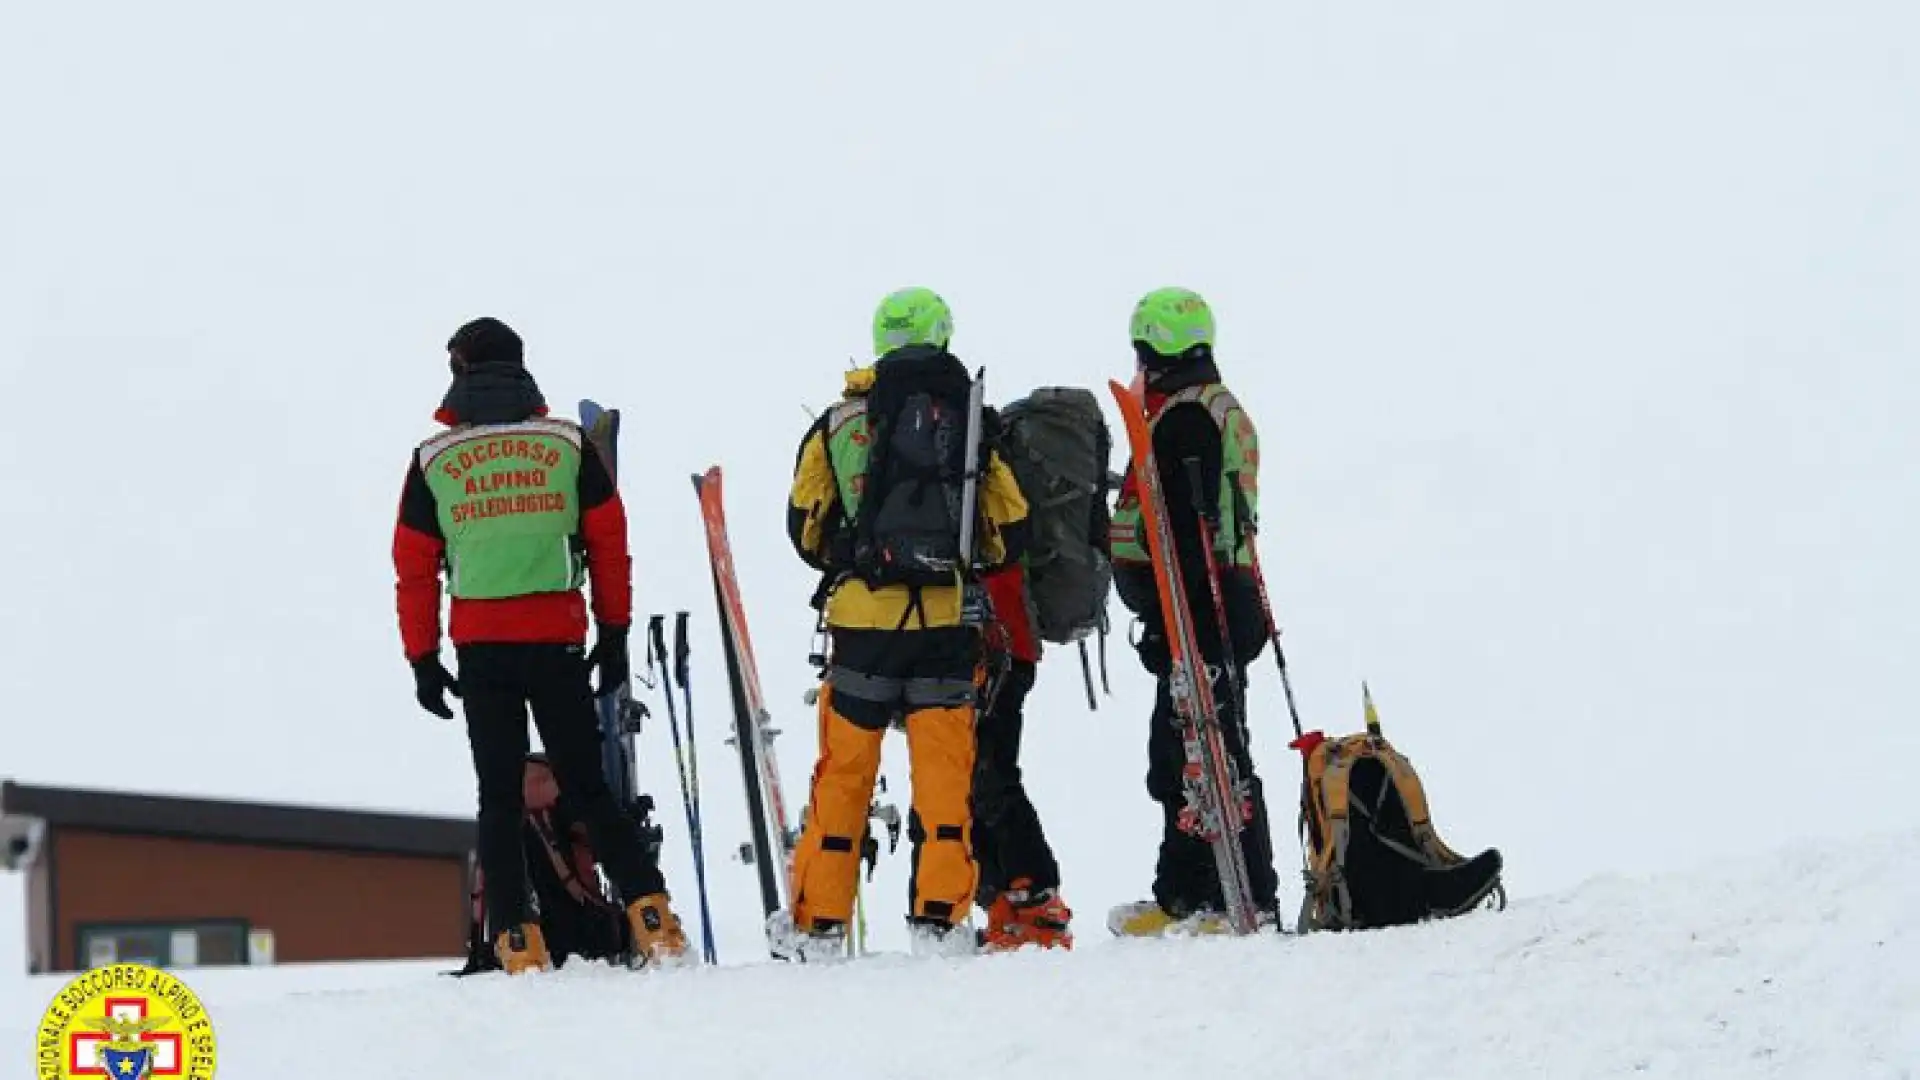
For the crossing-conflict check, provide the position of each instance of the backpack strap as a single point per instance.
(1327, 895)
(543, 824)
(1413, 795)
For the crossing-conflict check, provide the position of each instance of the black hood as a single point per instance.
(1171, 374)
(490, 380)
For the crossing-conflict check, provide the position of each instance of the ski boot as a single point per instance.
(1147, 918)
(938, 937)
(522, 949)
(825, 942)
(658, 940)
(1023, 916)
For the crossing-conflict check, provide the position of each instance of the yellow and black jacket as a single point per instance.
(828, 480)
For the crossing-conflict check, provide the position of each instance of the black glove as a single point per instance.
(610, 656)
(431, 682)
(1155, 654)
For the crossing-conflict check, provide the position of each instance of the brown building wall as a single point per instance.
(321, 905)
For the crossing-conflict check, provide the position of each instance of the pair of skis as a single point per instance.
(770, 849)
(621, 717)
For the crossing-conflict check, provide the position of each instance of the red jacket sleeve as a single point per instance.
(603, 527)
(1007, 588)
(417, 551)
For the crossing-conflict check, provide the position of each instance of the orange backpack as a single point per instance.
(1329, 804)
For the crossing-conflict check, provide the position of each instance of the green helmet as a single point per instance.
(913, 316)
(1170, 321)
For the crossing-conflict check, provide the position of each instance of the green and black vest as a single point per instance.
(1240, 468)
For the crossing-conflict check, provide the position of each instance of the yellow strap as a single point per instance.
(1330, 770)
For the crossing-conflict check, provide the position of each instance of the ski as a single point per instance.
(621, 716)
(970, 498)
(1211, 780)
(771, 848)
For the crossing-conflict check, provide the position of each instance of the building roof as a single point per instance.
(239, 822)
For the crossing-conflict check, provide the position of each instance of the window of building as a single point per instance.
(200, 943)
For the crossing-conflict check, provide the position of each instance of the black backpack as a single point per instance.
(908, 529)
(1057, 443)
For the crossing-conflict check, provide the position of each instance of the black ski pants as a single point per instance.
(498, 684)
(1186, 879)
(1008, 842)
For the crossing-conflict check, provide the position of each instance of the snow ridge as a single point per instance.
(1802, 964)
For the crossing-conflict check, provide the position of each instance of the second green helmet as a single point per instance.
(1172, 320)
(914, 316)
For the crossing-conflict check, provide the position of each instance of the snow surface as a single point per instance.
(1582, 339)
(1805, 964)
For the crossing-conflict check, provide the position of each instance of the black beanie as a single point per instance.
(485, 342)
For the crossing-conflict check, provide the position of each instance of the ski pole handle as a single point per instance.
(657, 645)
(1196, 489)
(680, 650)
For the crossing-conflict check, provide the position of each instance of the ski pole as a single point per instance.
(1105, 686)
(1208, 517)
(657, 653)
(681, 651)
(857, 945)
(1243, 811)
(888, 815)
(1249, 534)
(1086, 676)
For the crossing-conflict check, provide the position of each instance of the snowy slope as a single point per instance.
(1802, 965)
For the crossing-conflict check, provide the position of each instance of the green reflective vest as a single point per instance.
(508, 496)
(1239, 464)
(849, 448)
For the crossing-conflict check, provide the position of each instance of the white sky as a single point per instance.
(1581, 343)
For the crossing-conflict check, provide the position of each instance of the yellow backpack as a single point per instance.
(1391, 803)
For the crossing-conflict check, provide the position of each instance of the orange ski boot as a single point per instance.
(522, 949)
(1023, 915)
(658, 940)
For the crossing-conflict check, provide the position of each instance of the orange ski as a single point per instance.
(771, 848)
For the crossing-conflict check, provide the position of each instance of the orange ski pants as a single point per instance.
(927, 679)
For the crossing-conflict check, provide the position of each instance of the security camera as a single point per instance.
(20, 839)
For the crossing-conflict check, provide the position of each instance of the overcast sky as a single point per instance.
(1581, 339)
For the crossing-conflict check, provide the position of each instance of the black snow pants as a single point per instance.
(1008, 842)
(1186, 879)
(498, 683)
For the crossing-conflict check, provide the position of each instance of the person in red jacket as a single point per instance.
(1019, 877)
(518, 509)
